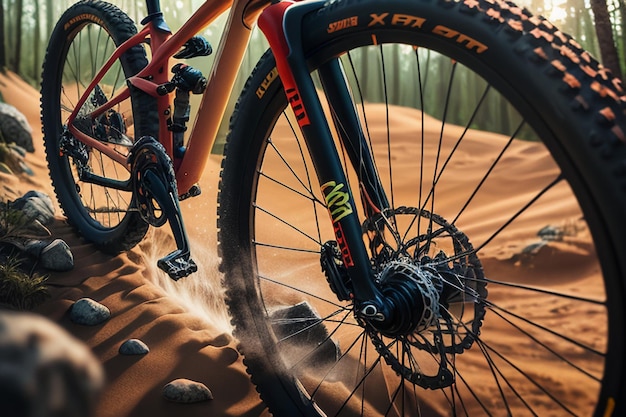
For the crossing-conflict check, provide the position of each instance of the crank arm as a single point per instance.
(156, 194)
(281, 24)
(177, 264)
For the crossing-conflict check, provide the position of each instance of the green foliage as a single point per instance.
(18, 289)
(14, 224)
(8, 164)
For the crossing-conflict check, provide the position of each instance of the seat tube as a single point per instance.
(153, 6)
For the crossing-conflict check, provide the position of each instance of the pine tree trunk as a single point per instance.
(3, 52)
(604, 32)
(37, 43)
(18, 36)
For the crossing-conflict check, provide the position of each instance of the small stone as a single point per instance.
(133, 347)
(534, 248)
(551, 233)
(300, 326)
(89, 312)
(45, 371)
(35, 205)
(57, 256)
(186, 391)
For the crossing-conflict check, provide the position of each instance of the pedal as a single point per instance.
(154, 186)
(177, 264)
(194, 191)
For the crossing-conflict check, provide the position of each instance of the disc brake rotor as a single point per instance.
(439, 297)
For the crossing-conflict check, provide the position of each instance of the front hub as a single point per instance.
(434, 293)
(412, 294)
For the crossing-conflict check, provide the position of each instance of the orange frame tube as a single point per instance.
(229, 55)
(221, 80)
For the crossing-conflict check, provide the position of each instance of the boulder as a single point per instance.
(14, 127)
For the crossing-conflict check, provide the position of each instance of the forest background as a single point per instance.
(598, 25)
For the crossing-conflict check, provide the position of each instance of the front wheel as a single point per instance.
(84, 178)
(500, 147)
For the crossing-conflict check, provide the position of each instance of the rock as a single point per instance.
(12, 157)
(186, 391)
(4, 168)
(14, 127)
(44, 371)
(300, 326)
(57, 256)
(36, 206)
(89, 312)
(534, 248)
(34, 238)
(550, 233)
(133, 347)
(18, 150)
(54, 255)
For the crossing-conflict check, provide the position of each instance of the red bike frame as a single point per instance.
(164, 44)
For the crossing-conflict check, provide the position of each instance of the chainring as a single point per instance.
(148, 155)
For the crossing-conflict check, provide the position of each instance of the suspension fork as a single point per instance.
(352, 137)
(281, 24)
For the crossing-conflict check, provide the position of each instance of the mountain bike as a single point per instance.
(421, 202)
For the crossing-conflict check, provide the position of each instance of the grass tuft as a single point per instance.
(18, 289)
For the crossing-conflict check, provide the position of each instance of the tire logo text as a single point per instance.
(269, 79)
(84, 16)
(343, 24)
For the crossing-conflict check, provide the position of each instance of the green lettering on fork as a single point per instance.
(337, 201)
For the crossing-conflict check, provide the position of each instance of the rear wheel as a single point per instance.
(83, 40)
(502, 160)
